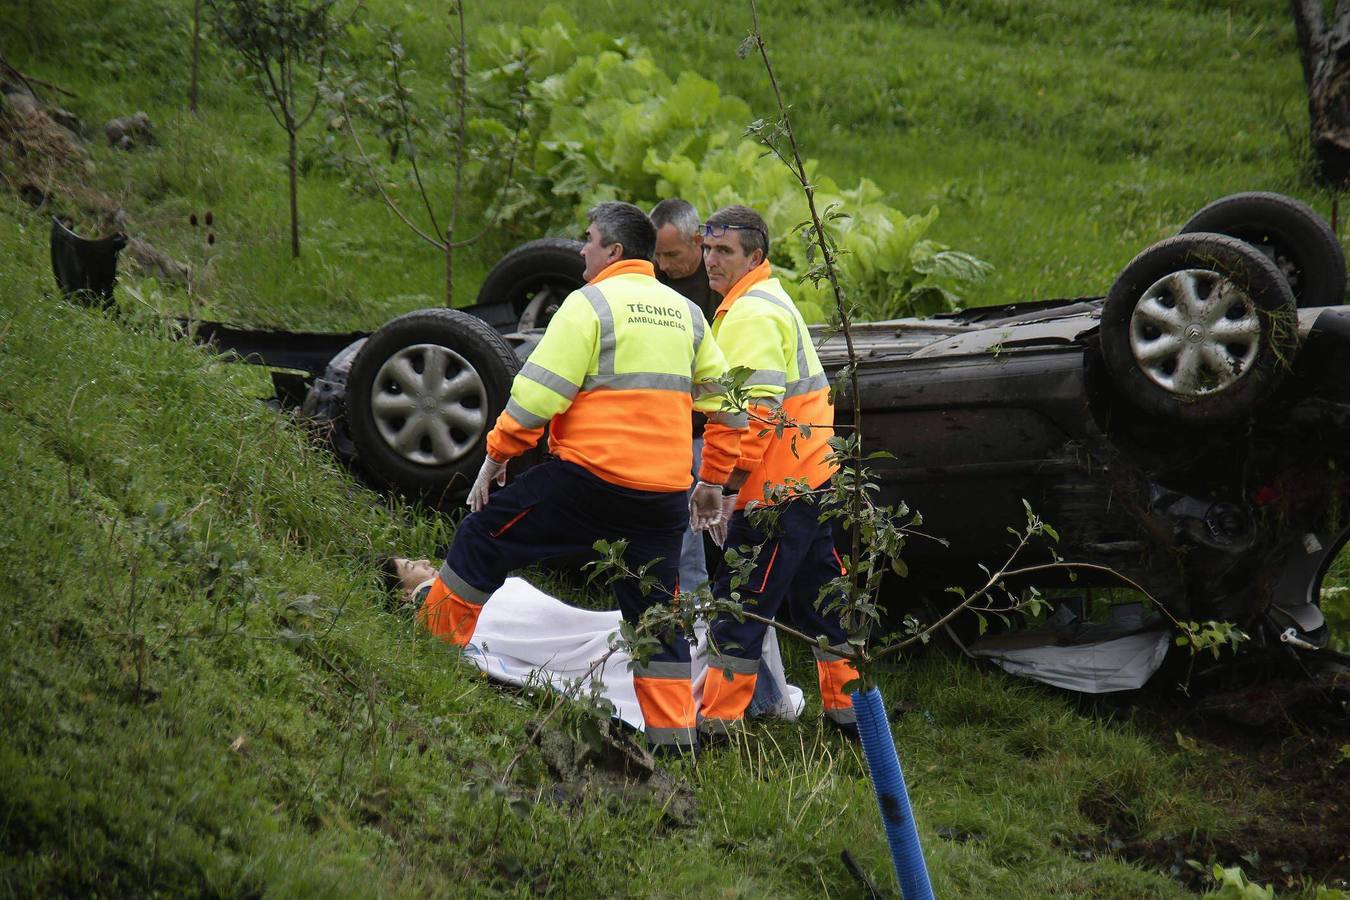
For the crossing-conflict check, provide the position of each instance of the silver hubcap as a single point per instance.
(1195, 332)
(429, 404)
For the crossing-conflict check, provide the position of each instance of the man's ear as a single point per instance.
(616, 251)
(698, 240)
(757, 257)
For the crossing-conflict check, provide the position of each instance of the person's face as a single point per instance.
(412, 572)
(676, 255)
(727, 261)
(597, 254)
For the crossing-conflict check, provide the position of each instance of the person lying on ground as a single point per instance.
(527, 638)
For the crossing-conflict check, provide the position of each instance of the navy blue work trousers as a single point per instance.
(794, 560)
(559, 509)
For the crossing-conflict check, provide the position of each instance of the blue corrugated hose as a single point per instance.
(897, 817)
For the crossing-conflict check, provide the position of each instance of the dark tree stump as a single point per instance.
(1324, 48)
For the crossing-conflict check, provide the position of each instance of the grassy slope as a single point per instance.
(123, 770)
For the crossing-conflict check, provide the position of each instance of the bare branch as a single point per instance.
(799, 169)
(461, 90)
(318, 82)
(30, 80)
(516, 141)
(406, 116)
(1006, 574)
(461, 114)
(375, 178)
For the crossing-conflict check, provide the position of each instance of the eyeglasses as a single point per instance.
(720, 231)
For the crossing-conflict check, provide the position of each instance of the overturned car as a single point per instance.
(1189, 431)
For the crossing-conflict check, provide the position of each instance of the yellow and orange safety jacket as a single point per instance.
(620, 368)
(758, 327)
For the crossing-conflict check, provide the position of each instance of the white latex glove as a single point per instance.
(718, 530)
(491, 471)
(705, 505)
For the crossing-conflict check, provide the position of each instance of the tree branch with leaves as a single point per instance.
(482, 172)
(286, 47)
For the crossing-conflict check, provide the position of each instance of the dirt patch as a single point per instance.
(46, 164)
(607, 765)
(1277, 747)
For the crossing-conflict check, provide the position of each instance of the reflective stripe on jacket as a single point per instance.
(617, 373)
(758, 327)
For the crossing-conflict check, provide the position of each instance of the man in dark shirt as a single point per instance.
(679, 253)
(679, 265)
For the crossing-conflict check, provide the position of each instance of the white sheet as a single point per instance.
(525, 636)
(1122, 664)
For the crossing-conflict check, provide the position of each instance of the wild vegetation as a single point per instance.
(203, 689)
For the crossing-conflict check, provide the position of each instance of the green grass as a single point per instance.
(202, 690)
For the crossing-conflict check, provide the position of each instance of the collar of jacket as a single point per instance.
(761, 272)
(625, 267)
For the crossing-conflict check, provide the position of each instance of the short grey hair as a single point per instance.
(748, 224)
(677, 212)
(624, 223)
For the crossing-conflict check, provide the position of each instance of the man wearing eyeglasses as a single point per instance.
(758, 327)
(615, 376)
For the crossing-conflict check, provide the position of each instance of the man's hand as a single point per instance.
(718, 530)
(491, 471)
(705, 506)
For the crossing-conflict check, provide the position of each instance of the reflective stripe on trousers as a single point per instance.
(727, 690)
(833, 672)
(666, 696)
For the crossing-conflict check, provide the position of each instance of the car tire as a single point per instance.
(423, 393)
(533, 279)
(1199, 328)
(1298, 240)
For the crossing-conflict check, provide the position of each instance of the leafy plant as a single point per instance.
(612, 122)
(1210, 635)
(1231, 883)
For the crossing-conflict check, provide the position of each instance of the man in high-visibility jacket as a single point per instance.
(617, 373)
(758, 327)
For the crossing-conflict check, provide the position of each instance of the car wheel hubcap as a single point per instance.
(429, 404)
(1195, 332)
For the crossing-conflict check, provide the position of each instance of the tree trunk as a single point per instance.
(295, 212)
(196, 52)
(1325, 53)
(449, 269)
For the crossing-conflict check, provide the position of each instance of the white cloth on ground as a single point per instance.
(524, 637)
